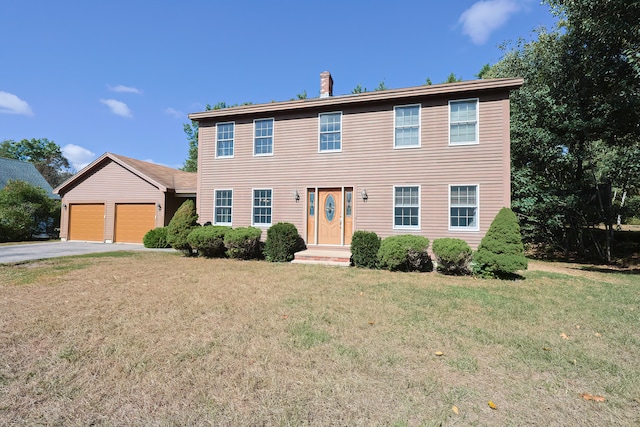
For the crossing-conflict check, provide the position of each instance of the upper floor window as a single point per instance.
(406, 207)
(224, 139)
(263, 137)
(463, 207)
(223, 206)
(262, 207)
(407, 126)
(330, 131)
(463, 122)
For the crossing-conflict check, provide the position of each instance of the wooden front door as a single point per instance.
(329, 216)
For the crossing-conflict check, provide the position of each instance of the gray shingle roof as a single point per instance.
(11, 169)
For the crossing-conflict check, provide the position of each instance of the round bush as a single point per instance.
(501, 252)
(453, 255)
(156, 238)
(243, 242)
(364, 249)
(405, 253)
(184, 220)
(283, 241)
(208, 241)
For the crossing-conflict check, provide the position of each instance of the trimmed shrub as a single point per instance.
(209, 241)
(452, 255)
(283, 241)
(184, 220)
(24, 208)
(156, 238)
(364, 249)
(243, 242)
(405, 253)
(501, 252)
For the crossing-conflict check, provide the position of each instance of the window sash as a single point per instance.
(331, 132)
(224, 139)
(407, 126)
(263, 137)
(262, 202)
(223, 207)
(406, 207)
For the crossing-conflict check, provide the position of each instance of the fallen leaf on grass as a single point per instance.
(546, 348)
(361, 293)
(455, 410)
(284, 316)
(439, 353)
(492, 405)
(563, 335)
(587, 396)
(577, 326)
(372, 323)
(598, 335)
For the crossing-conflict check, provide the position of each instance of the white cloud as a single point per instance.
(117, 107)
(126, 89)
(175, 113)
(484, 17)
(78, 156)
(11, 104)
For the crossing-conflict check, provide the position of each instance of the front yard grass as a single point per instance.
(155, 338)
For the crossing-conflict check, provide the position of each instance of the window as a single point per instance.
(263, 137)
(262, 207)
(330, 131)
(463, 207)
(463, 122)
(407, 126)
(223, 206)
(406, 207)
(224, 139)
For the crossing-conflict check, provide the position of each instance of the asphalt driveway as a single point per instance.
(32, 251)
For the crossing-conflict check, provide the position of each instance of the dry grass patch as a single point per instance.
(154, 338)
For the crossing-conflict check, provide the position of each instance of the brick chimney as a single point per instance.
(326, 84)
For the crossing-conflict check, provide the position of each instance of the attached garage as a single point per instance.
(133, 221)
(86, 222)
(118, 199)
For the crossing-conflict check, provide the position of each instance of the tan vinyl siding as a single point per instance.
(111, 184)
(368, 161)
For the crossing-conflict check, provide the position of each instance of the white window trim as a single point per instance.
(341, 132)
(273, 137)
(393, 209)
(230, 224)
(463, 229)
(234, 140)
(477, 141)
(395, 147)
(253, 206)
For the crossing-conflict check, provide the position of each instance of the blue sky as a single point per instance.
(122, 75)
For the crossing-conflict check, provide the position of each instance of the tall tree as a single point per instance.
(46, 156)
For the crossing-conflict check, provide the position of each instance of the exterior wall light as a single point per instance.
(64, 206)
(296, 195)
(159, 206)
(364, 194)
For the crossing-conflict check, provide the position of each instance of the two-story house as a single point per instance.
(430, 160)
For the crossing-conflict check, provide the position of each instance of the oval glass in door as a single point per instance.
(330, 208)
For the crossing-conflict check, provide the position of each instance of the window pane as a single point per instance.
(330, 131)
(406, 207)
(223, 205)
(224, 139)
(464, 206)
(407, 126)
(262, 206)
(263, 136)
(463, 121)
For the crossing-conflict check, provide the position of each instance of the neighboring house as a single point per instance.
(11, 169)
(119, 199)
(427, 160)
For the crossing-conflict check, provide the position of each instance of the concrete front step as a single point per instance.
(337, 257)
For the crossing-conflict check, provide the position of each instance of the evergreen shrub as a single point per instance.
(405, 253)
(243, 243)
(364, 249)
(209, 241)
(501, 252)
(453, 256)
(283, 241)
(156, 238)
(184, 220)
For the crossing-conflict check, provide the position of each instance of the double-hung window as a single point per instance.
(406, 207)
(407, 126)
(330, 132)
(224, 139)
(263, 137)
(223, 207)
(262, 203)
(463, 207)
(463, 122)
